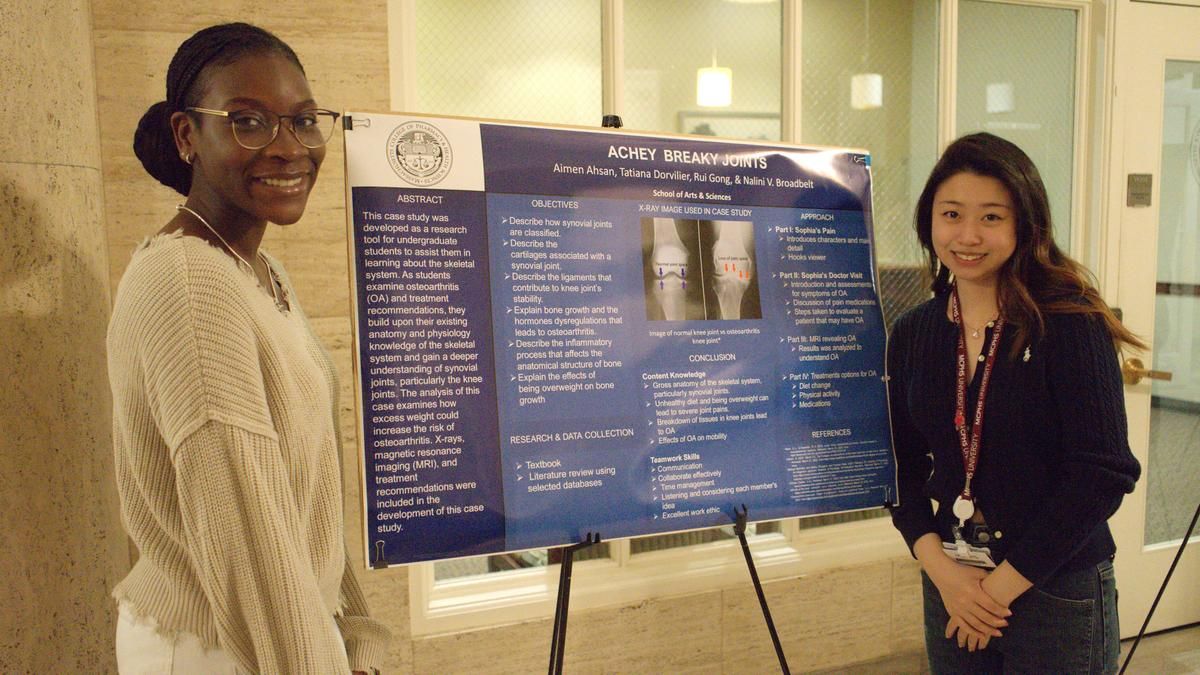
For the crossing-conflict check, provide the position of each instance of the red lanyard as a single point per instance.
(970, 447)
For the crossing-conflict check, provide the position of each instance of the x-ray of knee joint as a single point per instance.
(733, 265)
(697, 269)
(670, 260)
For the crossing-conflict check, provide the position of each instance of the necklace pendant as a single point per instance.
(975, 333)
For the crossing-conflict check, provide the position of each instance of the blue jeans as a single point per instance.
(1068, 625)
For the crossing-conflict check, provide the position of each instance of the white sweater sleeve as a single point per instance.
(239, 518)
(366, 638)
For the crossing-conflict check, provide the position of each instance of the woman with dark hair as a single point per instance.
(225, 404)
(1008, 411)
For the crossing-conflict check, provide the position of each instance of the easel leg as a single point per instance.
(558, 638)
(740, 529)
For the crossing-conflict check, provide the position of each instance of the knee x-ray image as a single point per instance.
(699, 269)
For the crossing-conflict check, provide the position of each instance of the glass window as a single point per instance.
(869, 80)
(1171, 485)
(665, 82)
(660, 542)
(505, 562)
(1016, 79)
(869, 72)
(529, 60)
(668, 43)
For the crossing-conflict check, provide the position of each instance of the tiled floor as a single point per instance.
(1166, 653)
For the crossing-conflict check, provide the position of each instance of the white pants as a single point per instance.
(142, 650)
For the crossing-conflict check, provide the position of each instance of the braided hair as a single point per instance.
(154, 140)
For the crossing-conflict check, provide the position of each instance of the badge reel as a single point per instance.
(960, 550)
(963, 509)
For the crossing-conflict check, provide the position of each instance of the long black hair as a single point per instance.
(1038, 278)
(187, 80)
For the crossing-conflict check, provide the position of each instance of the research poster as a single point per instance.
(562, 331)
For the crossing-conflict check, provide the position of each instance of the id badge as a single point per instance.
(975, 556)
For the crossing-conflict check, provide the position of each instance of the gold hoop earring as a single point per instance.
(187, 158)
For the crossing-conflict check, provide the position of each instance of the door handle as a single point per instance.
(1133, 370)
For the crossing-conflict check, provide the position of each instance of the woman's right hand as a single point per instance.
(967, 638)
(963, 596)
(961, 589)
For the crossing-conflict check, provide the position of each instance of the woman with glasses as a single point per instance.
(225, 405)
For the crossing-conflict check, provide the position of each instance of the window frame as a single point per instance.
(1082, 189)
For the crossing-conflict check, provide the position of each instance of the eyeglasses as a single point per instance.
(256, 129)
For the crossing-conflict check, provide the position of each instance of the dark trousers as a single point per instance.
(1069, 625)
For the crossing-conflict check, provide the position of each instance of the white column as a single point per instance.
(62, 547)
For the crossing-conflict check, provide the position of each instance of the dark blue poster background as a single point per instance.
(620, 334)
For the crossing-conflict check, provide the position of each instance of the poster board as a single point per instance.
(567, 330)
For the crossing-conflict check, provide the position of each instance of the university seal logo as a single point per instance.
(419, 153)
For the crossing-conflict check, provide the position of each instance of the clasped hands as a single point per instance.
(975, 616)
(976, 600)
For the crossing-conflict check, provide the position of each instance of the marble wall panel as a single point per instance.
(62, 547)
(346, 67)
(517, 648)
(674, 635)
(677, 635)
(49, 110)
(908, 615)
(310, 19)
(666, 635)
(828, 619)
